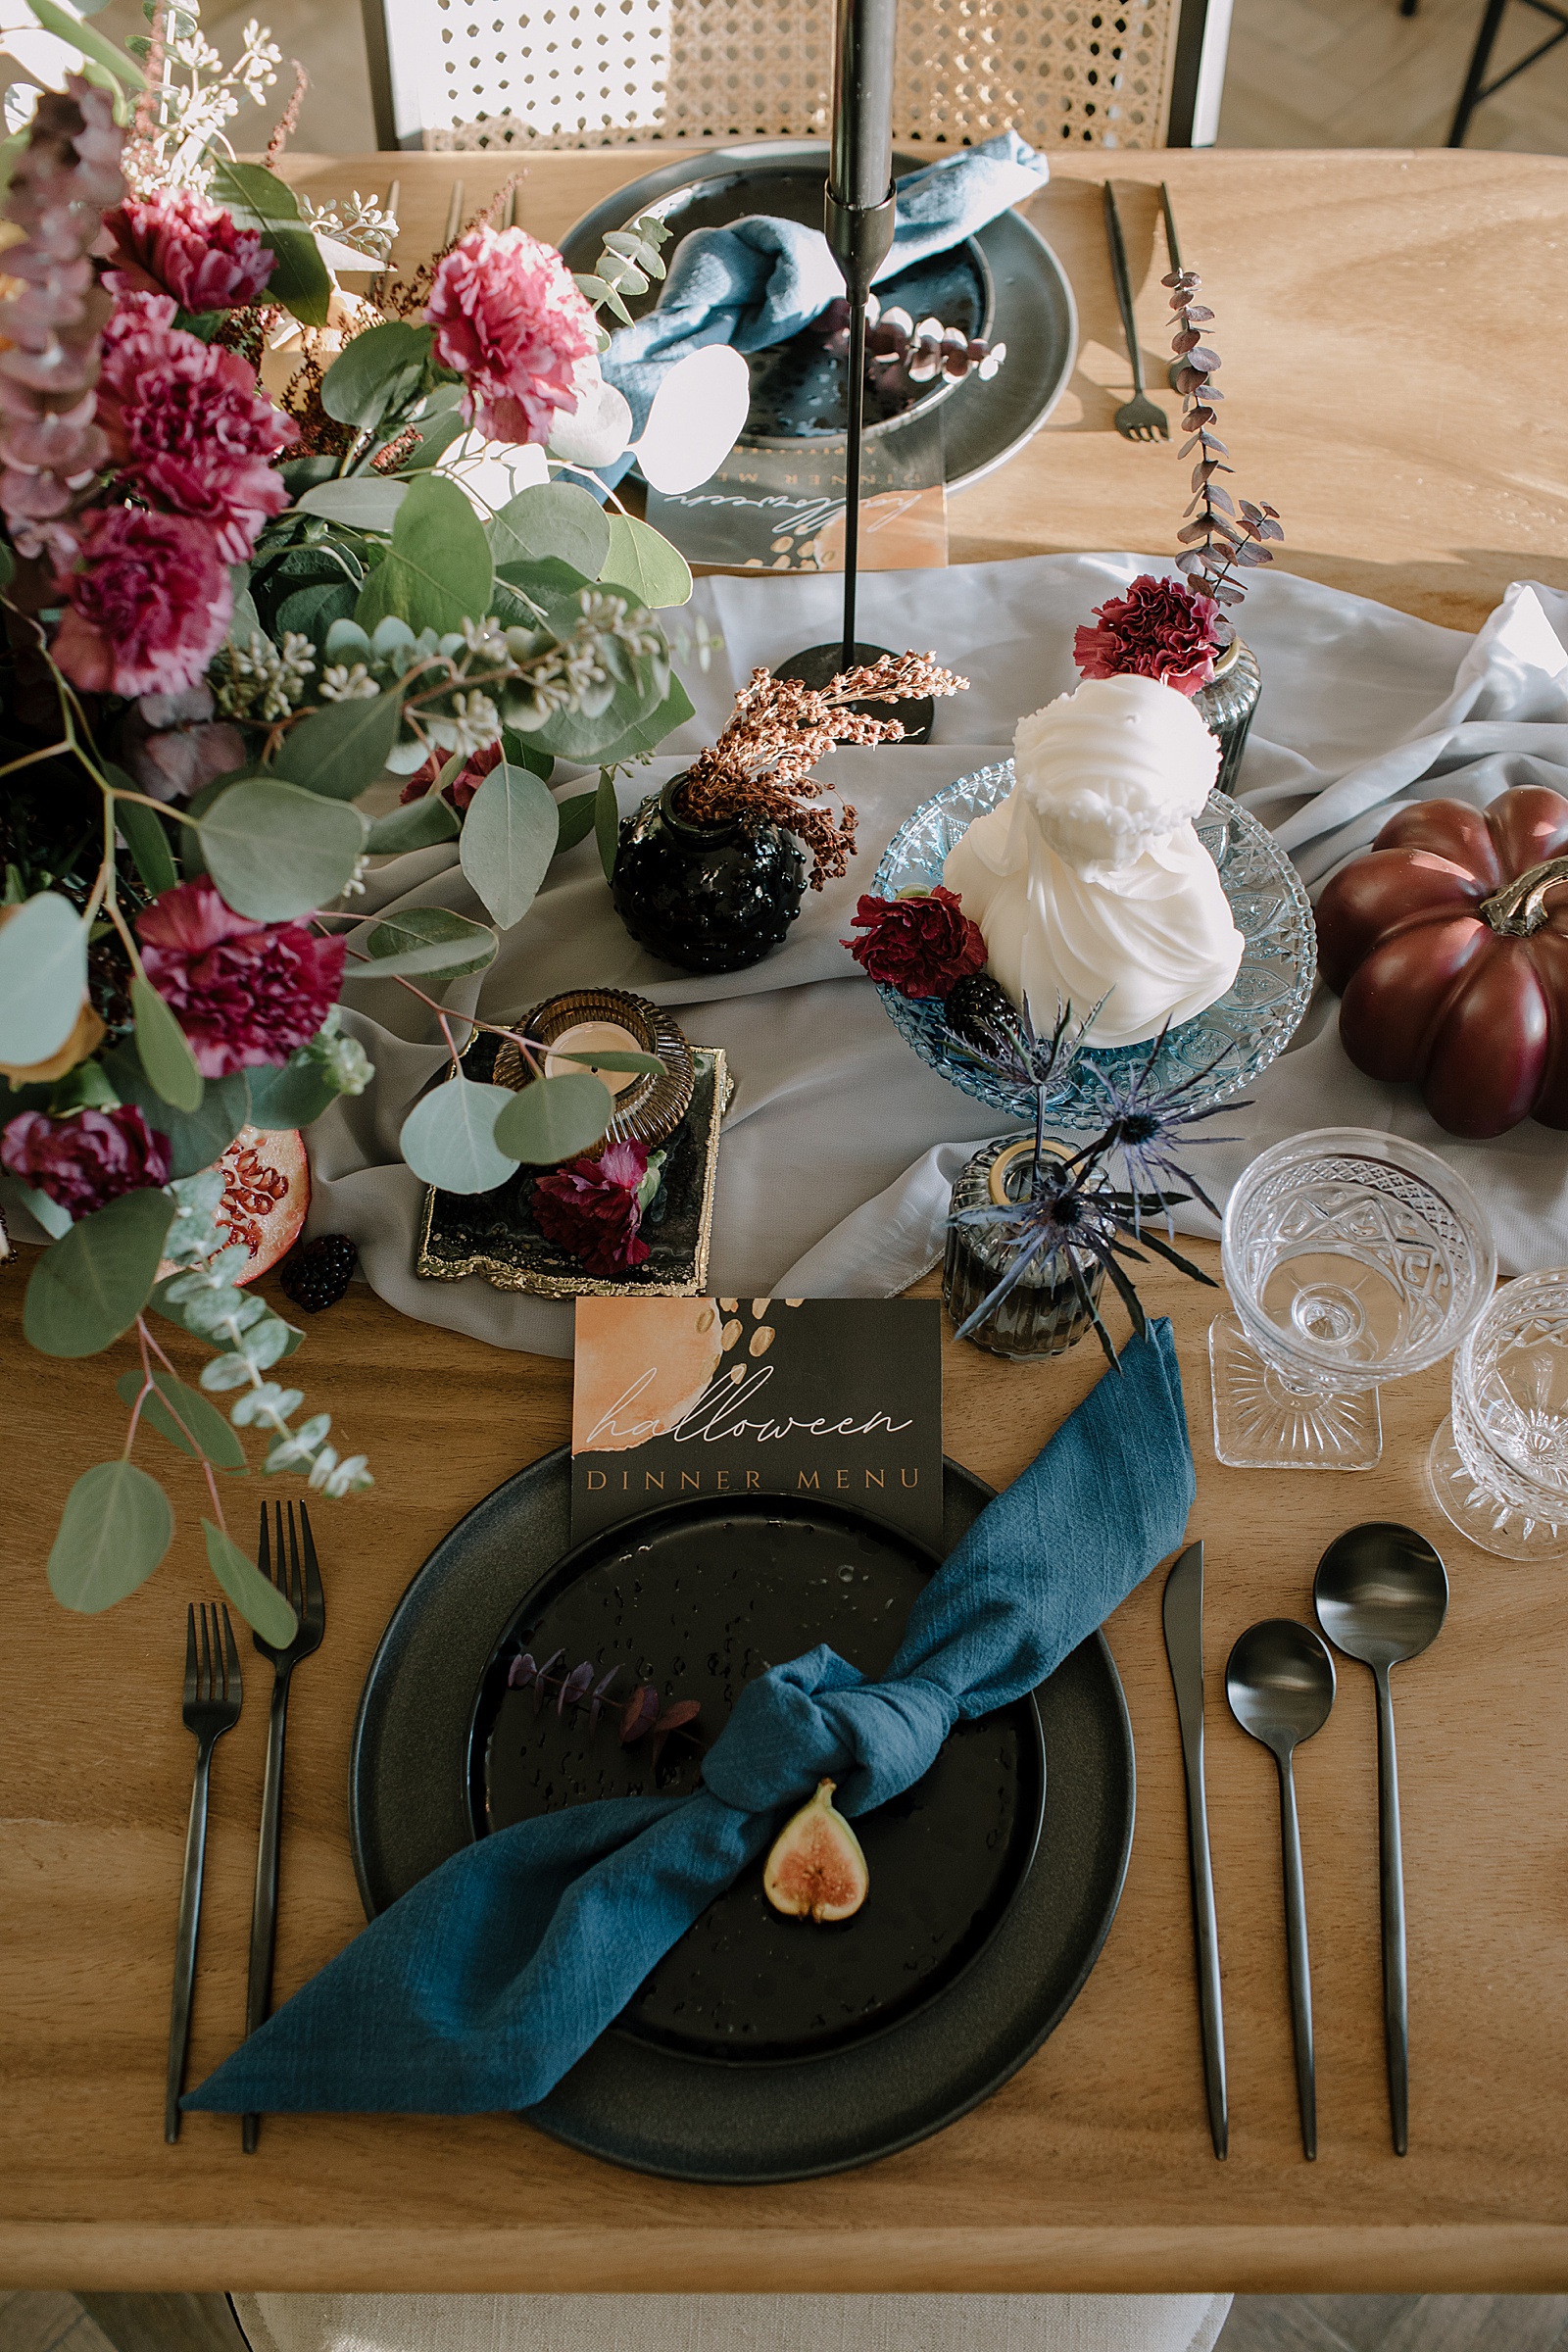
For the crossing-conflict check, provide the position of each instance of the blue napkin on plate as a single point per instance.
(480, 1987)
(761, 280)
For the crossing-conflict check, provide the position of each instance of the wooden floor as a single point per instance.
(56, 2323)
(1301, 73)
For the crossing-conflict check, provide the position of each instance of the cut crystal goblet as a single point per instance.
(1351, 1257)
(1498, 1466)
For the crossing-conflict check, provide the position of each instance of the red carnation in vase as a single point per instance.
(88, 1160)
(1159, 629)
(150, 603)
(463, 785)
(173, 241)
(590, 1209)
(922, 946)
(246, 992)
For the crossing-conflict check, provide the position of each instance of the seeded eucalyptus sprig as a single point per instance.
(1219, 536)
(628, 263)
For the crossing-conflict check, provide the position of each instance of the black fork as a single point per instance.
(212, 1703)
(299, 1579)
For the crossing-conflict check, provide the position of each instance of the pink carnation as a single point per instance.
(86, 1161)
(189, 428)
(1159, 629)
(150, 603)
(174, 242)
(246, 992)
(590, 1209)
(508, 319)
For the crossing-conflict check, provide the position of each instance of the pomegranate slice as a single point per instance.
(267, 1192)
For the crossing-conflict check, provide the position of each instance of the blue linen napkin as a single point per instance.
(480, 1986)
(760, 280)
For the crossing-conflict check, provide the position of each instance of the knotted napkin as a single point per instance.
(760, 280)
(480, 1987)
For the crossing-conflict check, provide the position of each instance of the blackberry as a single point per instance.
(315, 1274)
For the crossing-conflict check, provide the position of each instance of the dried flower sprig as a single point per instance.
(903, 353)
(779, 729)
(640, 1716)
(1219, 538)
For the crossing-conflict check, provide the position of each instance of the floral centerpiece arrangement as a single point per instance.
(227, 613)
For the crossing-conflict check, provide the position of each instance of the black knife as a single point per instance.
(1184, 1647)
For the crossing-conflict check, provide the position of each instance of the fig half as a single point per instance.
(816, 1869)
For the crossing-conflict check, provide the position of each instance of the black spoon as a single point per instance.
(1381, 1593)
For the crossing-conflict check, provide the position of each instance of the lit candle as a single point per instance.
(588, 1038)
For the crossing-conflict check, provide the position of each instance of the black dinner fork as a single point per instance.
(212, 1703)
(300, 1583)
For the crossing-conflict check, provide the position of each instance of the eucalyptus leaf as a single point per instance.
(448, 1136)
(643, 561)
(115, 1528)
(170, 1397)
(195, 1138)
(364, 503)
(436, 436)
(644, 1065)
(509, 838)
(645, 734)
(553, 518)
(378, 367)
(607, 823)
(291, 1094)
(341, 748)
(416, 825)
(424, 939)
(44, 977)
(164, 1048)
(146, 840)
(88, 1287)
(251, 188)
(258, 1600)
(554, 1118)
(575, 819)
(310, 611)
(275, 852)
(48, 1213)
(439, 571)
(301, 281)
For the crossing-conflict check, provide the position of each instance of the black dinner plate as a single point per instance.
(1004, 281)
(663, 2091)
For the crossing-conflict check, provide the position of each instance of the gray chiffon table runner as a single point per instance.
(841, 1147)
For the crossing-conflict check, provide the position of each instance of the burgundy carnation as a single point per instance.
(87, 1160)
(174, 242)
(149, 606)
(1159, 629)
(589, 1208)
(190, 429)
(508, 319)
(246, 992)
(922, 945)
(463, 785)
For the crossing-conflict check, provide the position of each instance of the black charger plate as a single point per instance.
(662, 2092)
(1004, 281)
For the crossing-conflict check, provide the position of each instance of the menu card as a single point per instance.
(837, 1399)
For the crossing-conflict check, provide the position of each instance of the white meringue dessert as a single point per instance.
(1090, 881)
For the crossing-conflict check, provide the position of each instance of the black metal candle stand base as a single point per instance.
(820, 665)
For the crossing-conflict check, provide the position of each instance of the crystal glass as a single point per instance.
(1217, 1053)
(1498, 1466)
(1042, 1314)
(1350, 1258)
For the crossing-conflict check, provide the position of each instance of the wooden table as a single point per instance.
(1091, 2168)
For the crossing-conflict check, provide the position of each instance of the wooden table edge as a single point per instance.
(1431, 2259)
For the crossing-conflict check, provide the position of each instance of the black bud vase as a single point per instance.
(712, 898)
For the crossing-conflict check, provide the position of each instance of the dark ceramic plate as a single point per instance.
(702, 1597)
(1004, 282)
(662, 2092)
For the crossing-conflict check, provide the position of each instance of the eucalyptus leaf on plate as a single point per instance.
(552, 1119)
(448, 1136)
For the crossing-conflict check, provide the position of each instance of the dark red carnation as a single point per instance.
(174, 242)
(922, 945)
(88, 1160)
(463, 785)
(246, 992)
(150, 603)
(1159, 629)
(589, 1208)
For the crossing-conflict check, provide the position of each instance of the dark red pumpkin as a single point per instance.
(1447, 943)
